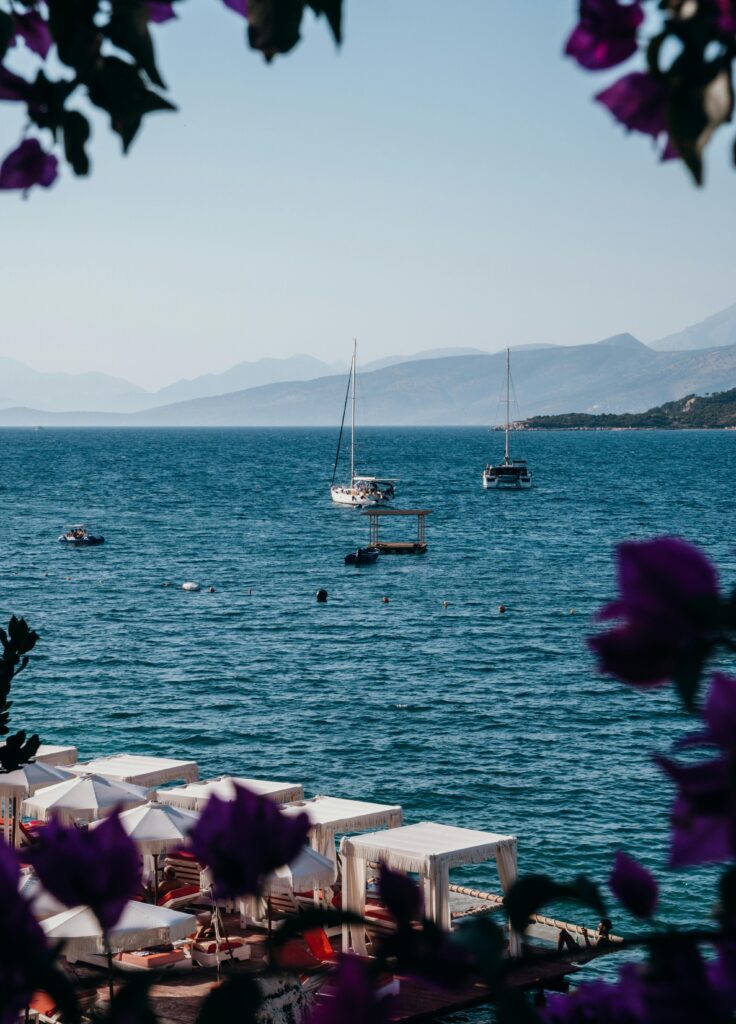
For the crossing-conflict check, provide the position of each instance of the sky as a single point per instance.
(442, 179)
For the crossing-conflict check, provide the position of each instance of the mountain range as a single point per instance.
(454, 386)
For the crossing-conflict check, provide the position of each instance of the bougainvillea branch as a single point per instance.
(682, 91)
(108, 56)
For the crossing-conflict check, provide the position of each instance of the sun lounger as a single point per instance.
(208, 952)
(184, 896)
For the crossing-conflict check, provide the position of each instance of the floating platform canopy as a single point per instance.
(331, 816)
(431, 850)
(140, 770)
(194, 798)
(398, 547)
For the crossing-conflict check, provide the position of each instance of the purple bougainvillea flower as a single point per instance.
(725, 14)
(13, 87)
(619, 1002)
(32, 28)
(23, 947)
(401, 895)
(633, 886)
(666, 591)
(638, 101)
(159, 11)
(27, 166)
(352, 997)
(720, 711)
(606, 33)
(244, 839)
(703, 815)
(239, 6)
(99, 868)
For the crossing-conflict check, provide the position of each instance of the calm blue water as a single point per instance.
(460, 714)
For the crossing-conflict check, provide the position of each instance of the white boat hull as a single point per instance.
(350, 496)
(495, 483)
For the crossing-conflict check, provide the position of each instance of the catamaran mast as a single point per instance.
(508, 378)
(352, 425)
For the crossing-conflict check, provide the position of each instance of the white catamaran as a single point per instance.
(362, 490)
(511, 474)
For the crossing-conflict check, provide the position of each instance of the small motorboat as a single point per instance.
(80, 537)
(362, 556)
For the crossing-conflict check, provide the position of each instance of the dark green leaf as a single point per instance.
(513, 1007)
(696, 110)
(332, 10)
(130, 1004)
(532, 892)
(321, 918)
(117, 87)
(6, 32)
(78, 40)
(237, 1000)
(128, 30)
(727, 892)
(76, 134)
(485, 941)
(273, 25)
(688, 673)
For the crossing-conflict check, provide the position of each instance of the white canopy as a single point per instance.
(430, 850)
(194, 797)
(50, 753)
(331, 816)
(155, 827)
(83, 798)
(140, 926)
(141, 770)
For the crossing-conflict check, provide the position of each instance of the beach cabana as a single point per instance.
(194, 797)
(430, 850)
(141, 770)
(83, 798)
(331, 816)
(53, 754)
(20, 783)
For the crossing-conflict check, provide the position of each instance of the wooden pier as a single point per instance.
(398, 547)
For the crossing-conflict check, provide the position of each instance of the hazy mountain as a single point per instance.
(715, 332)
(241, 376)
(430, 353)
(21, 385)
(619, 374)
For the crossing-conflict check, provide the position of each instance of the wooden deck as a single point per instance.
(401, 547)
(398, 547)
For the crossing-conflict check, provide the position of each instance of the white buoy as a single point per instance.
(190, 586)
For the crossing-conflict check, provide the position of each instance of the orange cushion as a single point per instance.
(143, 957)
(43, 1003)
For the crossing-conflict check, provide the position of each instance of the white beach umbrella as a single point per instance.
(156, 828)
(83, 798)
(308, 870)
(141, 925)
(195, 796)
(43, 904)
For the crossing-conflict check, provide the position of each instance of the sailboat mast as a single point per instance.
(508, 379)
(352, 425)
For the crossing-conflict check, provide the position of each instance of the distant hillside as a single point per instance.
(618, 375)
(57, 392)
(716, 331)
(694, 411)
(241, 376)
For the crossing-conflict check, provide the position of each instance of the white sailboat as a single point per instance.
(362, 491)
(511, 474)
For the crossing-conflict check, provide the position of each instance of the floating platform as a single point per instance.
(398, 547)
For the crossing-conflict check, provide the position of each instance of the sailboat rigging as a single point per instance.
(362, 490)
(511, 474)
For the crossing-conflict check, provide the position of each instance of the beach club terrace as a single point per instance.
(348, 839)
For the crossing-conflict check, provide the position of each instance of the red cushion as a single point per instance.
(174, 894)
(318, 943)
(293, 955)
(182, 855)
(43, 1003)
(212, 947)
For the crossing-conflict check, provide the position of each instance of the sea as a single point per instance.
(435, 699)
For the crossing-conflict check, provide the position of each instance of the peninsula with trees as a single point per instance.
(695, 412)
